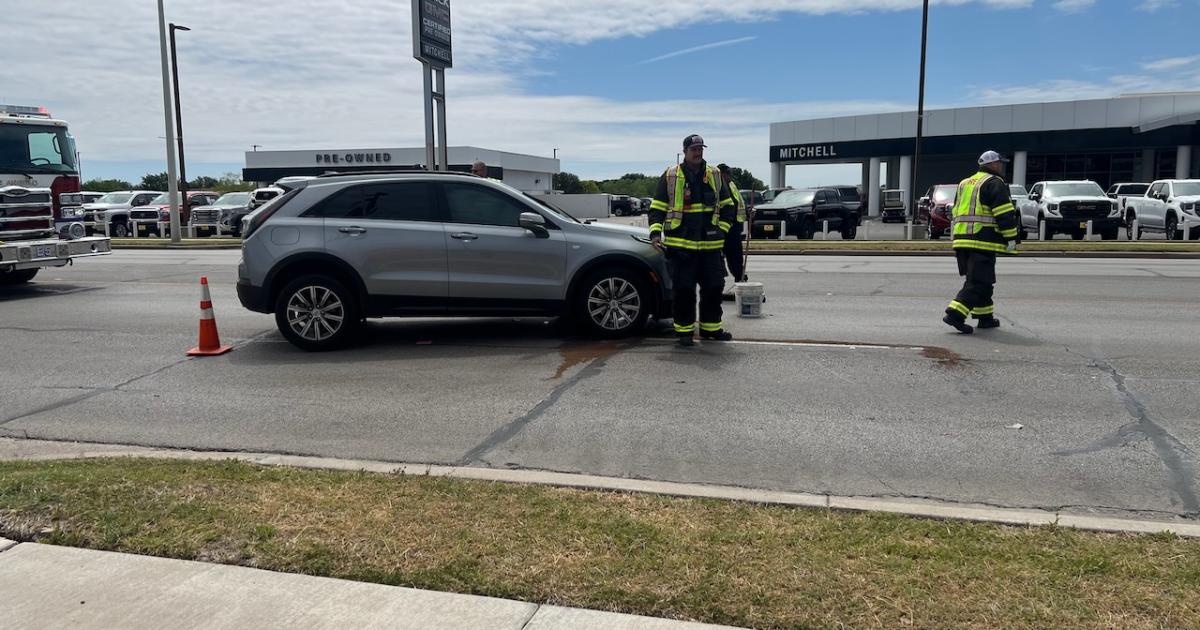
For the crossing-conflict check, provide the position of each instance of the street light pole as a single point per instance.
(912, 190)
(183, 183)
(172, 183)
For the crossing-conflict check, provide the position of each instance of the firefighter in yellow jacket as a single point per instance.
(690, 217)
(985, 224)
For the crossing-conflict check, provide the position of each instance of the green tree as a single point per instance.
(568, 183)
(203, 182)
(232, 182)
(106, 185)
(745, 180)
(154, 182)
(590, 186)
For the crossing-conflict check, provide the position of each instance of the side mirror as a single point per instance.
(924, 200)
(535, 223)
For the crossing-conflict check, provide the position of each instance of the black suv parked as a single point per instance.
(803, 213)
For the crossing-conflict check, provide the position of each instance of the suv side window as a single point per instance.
(1037, 190)
(142, 200)
(479, 206)
(820, 198)
(1155, 189)
(399, 201)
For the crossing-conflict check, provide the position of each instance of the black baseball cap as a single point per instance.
(692, 141)
(724, 168)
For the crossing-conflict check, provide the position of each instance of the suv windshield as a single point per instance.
(1187, 189)
(36, 149)
(849, 194)
(161, 200)
(1082, 189)
(945, 194)
(1016, 190)
(115, 198)
(555, 211)
(795, 197)
(233, 199)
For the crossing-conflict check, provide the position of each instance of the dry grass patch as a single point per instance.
(711, 561)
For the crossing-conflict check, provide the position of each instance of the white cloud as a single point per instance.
(688, 51)
(295, 74)
(1073, 6)
(1154, 5)
(1170, 63)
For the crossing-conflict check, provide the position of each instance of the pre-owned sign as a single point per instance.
(431, 32)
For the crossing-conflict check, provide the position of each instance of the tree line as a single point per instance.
(229, 182)
(638, 184)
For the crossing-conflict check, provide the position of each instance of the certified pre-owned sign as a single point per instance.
(431, 32)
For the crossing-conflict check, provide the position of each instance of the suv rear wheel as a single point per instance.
(612, 303)
(316, 313)
(849, 228)
(11, 278)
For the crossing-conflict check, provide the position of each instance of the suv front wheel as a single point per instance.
(612, 303)
(316, 313)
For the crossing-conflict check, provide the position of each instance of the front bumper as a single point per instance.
(1098, 225)
(17, 255)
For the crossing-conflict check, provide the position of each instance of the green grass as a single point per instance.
(702, 560)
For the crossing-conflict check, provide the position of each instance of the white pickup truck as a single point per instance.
(1170, 207)
(1066, 207)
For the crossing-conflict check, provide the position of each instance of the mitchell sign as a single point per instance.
(432, 41)
(805, 152)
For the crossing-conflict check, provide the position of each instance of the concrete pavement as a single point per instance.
(854, 388)
(46, 587)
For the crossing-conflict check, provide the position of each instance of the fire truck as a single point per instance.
(39, 167)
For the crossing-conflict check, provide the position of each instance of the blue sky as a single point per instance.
(611, 85)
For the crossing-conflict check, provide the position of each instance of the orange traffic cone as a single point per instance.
(210, 341)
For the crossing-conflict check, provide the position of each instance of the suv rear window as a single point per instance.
(849, 194)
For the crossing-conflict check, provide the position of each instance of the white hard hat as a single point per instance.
(991, 156)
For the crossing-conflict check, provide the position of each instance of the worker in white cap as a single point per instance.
(985, 224)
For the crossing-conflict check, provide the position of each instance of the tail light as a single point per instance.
(62, 184)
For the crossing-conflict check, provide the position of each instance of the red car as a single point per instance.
(158, 211)
(935, 208)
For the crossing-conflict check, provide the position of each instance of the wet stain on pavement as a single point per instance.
(574, 354)
(944, 357)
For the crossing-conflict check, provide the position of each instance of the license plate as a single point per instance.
(1083, 225)
(768, 228)
(43, 251)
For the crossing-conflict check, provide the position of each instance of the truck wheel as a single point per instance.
(1129, 235)
(1078, 234)
(932, 234)
(1110, 234)
(120, 230)
(1173, 233)
(612, 303)
(316, 313)
(13, 278)
(849, 229)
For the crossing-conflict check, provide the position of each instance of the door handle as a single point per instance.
(465, 236)
(353, 230)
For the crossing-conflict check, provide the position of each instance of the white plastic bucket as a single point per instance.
(749, 298)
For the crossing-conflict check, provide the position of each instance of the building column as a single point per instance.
(778, 174)
(1148, 172)
(1020, 165)
(1183, 161)
(873, 187)
(905, 182)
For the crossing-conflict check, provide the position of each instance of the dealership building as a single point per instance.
(528, 173)
(1134, 138)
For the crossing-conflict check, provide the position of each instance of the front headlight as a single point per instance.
(1116, 209)
(1052, 207)
(1189, 208)
(70, 213)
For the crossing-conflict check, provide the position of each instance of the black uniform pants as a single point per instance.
(690, 269)
(975, 298)
(734, 258)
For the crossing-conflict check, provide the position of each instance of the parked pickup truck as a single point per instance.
(803, 213)
(1067, 206)
(1170, 206)
(1121, 193)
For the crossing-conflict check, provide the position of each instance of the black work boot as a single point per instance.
(685, 340)
(958, 322)
(987, 321)
(716, 335)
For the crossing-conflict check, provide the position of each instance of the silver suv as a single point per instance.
(335, 250)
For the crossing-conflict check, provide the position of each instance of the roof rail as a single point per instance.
(394, 171)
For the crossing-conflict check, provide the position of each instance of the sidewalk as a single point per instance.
(44, 586)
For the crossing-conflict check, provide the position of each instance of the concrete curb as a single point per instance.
(12, 449)
(6, 544)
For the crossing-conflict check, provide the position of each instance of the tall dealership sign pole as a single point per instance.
(912, 189)
(172, 183)
(432, 47)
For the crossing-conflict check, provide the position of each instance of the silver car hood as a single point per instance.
(104, 206)
(617, 228)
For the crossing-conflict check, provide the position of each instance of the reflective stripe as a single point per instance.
(682, 243)
(983, 310)
(960, 307)
(658, 205)
(969, 219)
(1006, 208)
(963, 243)
(657, 227)
(674, 207)
(725, 227)
(685, 329)
(711, 327)
(736, 196)
(207, 313)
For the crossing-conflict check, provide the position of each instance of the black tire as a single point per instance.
(1172, 229)
(1111, 234)
(120, 229)
(932, 234)
(323, 332)
(13, 278)
(1023, 233)
(1078, 234)
(849, 228)
(1129, 235)
(612, 303)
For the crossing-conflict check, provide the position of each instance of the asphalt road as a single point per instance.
(849, 385)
